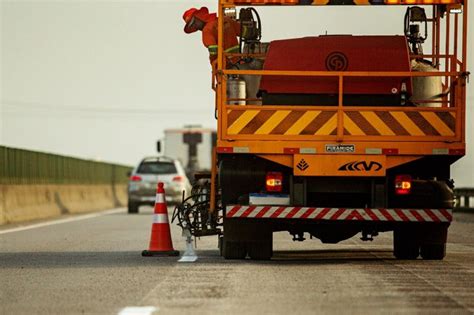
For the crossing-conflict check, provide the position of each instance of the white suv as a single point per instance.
(145, 177)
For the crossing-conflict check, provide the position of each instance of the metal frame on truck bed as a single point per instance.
(337, 163)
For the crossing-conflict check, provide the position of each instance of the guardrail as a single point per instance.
(19, 167)
(463, 196)
(36, 185)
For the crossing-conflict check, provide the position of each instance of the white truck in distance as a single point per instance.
(192, 146)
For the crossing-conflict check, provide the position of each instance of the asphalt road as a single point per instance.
(93, 266)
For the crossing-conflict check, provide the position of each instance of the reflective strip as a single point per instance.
(212, 49)
(241, 150)
(373, 151)
(440, 151)
(407, 123)
(160, 198)
(240, 211)
(328, 127)
(341, 214)
(233, 49)
(366, 123)
(425, 216)
(307, 150)
(242, 121)
(352, 127)
(273, 121)
(437, 123)
(377, 123)
(302, 122)
(160, 218)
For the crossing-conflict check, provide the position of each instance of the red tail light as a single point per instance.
(135, 178)
(178, 179)
(402, 184)
(274, 181)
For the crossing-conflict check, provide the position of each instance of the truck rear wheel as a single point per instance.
(233, 249)
(405, 244)
(433, 251)
(260, 250)
(433, 246)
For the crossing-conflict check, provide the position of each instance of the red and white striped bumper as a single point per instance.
(340, 214)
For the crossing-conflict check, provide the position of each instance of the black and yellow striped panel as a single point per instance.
(281, 122)
(356, 123)
(399, 123)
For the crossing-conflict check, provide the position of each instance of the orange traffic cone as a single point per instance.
(160, 241)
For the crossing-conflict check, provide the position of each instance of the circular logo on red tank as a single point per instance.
(336, 61)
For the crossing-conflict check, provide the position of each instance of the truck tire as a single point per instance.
(433, 251)
(260, 250)
(405, 244)
(433, 246)
(132, 208)
(233, 250)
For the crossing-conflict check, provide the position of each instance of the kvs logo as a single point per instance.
(361, 166)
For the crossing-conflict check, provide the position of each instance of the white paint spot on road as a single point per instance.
(138, 310)
(189, 255)
(187, 258)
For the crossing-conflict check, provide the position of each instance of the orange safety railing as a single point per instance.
(443, 124)
(399, 123)
(327, 2)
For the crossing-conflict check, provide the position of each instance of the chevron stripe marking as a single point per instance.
(262, 212)
(249, 210)
(272, 122)
(365, 125)
(392, 123)
(386, 215)
(447, 214)
(372, 215)
(232, 116)
(286, 123)
(233, 211)
(355, 215)
(340, 214)
(277, 212)
(323, 212)
(322, 122)
(307, 213)
(302, 122)
(242, 121)
(437, 123)
(407, 123)
(432, 215)
(328, 127)
(351, 127)
(378, 123)
(417, 215)
(318, 122)
(449, 119)
(292, 213)
(257, 122)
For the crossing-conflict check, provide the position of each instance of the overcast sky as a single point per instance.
(103, 79)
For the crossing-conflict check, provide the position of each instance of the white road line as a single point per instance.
(60, 221)
(138, 310)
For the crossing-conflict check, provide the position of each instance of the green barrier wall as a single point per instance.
(19, 166)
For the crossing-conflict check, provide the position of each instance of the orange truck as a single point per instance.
(336, 135)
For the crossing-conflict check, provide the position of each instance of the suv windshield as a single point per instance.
(157, 168)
